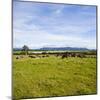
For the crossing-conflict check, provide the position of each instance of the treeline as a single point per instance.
(44, 52)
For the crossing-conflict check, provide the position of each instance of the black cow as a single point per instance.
(81, 55)
(17, 57)
(65, 55)
(32, 56)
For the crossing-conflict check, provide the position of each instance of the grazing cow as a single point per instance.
(64, 55)
(17, 57)
(73, 55)
(43, 56)
(47, 55)
(81, 55)
(32, 56)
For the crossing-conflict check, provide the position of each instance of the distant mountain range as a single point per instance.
(58, 49)
(63, 48)
(17, 49)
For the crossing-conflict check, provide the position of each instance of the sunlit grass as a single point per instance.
(53, 76)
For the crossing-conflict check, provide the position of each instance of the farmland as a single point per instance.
(53, 76)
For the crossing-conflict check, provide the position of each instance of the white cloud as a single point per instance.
(57, 28)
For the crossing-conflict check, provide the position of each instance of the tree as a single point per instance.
(25, 49)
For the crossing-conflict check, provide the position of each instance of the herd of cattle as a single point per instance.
(61, 55)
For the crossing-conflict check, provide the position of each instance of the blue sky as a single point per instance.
(43, 24)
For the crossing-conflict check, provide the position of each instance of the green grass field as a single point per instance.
(52, 76)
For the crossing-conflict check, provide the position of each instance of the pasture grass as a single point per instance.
(52, 76)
